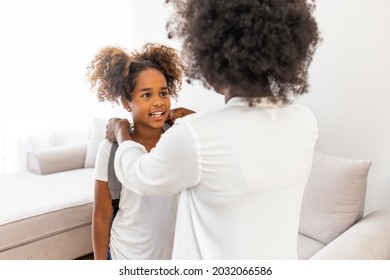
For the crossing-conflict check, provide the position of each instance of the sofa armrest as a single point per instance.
(57, 159)
(368, 239)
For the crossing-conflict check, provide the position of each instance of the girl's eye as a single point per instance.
(164, 93)
(146, 95)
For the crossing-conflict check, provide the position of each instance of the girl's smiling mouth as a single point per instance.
(157, 115)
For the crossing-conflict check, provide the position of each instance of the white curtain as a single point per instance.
(45, 46)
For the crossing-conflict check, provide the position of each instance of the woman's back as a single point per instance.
(254, 163)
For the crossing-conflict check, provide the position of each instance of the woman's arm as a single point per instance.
(172, 166)
(101, 220)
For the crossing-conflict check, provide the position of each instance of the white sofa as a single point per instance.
(46, 212)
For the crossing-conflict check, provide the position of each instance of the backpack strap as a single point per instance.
(165, 127)
(114, 184)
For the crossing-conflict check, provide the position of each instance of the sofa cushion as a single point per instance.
(34, 207)
(98, 134)
(334, 196)
(27, 194)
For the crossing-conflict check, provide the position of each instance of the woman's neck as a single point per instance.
(228, 96)
(263, 91)
(146, 136)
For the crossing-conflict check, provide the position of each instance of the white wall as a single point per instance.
(350, 87)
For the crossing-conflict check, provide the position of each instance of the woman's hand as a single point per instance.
(177, 113)
(117, 130)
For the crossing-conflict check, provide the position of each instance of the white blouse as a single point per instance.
(240, 172)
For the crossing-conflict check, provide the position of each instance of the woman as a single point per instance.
(240, 171)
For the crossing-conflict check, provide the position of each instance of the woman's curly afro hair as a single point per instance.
(247, 45)
(113, 72)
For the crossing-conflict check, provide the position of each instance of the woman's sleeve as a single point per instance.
(169, 168)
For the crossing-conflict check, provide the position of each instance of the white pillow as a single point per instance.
(98, 134)
(334, 196)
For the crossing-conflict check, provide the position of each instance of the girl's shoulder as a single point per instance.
(105, 146)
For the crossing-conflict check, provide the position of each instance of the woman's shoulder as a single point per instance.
(303, 109)
(303, 115)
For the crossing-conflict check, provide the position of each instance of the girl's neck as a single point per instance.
(146, 136)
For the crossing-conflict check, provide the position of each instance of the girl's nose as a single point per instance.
(158, 101)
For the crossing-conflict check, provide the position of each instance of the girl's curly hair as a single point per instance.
(113, 72)
(246, 45)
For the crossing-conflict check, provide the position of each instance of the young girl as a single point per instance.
(143, 82)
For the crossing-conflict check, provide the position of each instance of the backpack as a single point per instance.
(114, 184)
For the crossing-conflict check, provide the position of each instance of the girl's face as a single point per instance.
(150, 101)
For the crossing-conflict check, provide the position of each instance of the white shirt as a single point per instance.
(241, 172)
(143, 228)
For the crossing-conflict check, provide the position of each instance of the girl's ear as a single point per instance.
(125, 104)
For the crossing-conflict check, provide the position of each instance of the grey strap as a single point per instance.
(113, 183)
(165, 127)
